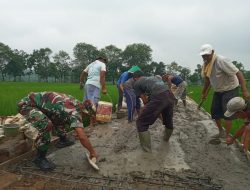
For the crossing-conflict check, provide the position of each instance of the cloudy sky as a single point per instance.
(174, 29)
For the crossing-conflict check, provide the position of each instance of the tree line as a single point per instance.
(62, 68)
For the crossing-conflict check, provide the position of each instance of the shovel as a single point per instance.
(203, 100)
(200, 104)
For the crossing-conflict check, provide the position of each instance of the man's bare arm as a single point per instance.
(102, 81)
(205, 89)
(243, 84)
(83, 77)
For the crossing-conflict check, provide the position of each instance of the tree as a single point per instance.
(154, 69)
(148, 69)
(185, 73)
(62, 64)
(41, 62)
(194, 78)
(137, 54)
(29, 65)
(174, 67)
(17, 63)
(53, 71)
(85, 54)
(198, 70)
(114, 61)
(5, 52)
(160, 68)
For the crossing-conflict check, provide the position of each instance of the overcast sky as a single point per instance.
(174, 29)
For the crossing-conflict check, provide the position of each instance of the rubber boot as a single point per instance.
(42, 162)
(145, 141)
(63, 142)
(167, 134)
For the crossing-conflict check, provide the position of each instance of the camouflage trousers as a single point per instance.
(44, 125)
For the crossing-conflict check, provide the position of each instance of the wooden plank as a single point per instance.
(29, 154)
(7, 179)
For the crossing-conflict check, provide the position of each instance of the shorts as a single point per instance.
(219, 103)
(92, 93)
(180, 92)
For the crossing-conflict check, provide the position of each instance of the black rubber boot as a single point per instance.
(63, 142)
(42, 162)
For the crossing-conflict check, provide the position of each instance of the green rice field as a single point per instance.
(12, 92)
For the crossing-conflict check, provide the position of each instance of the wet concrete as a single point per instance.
(117, 145)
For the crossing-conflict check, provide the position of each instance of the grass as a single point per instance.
(12, 92)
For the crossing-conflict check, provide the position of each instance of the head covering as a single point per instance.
(206, 49)
(105, 59)
(134, 69)
(234, 105)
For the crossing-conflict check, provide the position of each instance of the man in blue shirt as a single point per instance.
(180, 92)
(123, 78)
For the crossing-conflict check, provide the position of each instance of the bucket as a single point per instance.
(120, 114)
(11, 130)
(104, 111)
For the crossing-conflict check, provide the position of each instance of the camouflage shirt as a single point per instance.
(60, 108)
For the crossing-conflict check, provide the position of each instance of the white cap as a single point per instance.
(206, 49)
(234, 105)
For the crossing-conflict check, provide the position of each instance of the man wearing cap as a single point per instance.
(95, 74)
(225, 79)
(157, 100)
(239, 108)
(52, 110)
(122, 79)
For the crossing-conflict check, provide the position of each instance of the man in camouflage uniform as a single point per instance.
(51, 110)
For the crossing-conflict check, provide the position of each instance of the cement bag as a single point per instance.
(29, 131)
(124, 104)
(104, 111)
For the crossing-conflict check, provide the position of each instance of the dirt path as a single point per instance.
(188, 161)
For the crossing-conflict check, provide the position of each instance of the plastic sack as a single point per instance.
(104, 111)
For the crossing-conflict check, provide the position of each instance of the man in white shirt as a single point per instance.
(95, 74)
(225, 78)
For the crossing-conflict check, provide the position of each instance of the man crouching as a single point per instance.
(52, 110)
